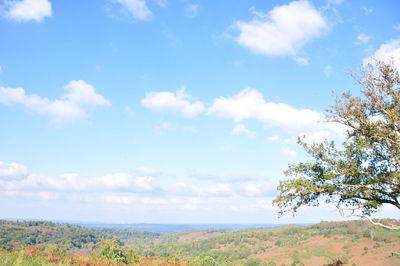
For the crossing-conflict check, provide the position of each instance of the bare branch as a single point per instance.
(353, 214)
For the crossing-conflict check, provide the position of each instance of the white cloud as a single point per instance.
(68, 107)
(386, 52)
(121, 199)
(328, 70)
(47, 195)
(83, 93)
(250, 104)
(117, 181)
(42, 195)
(282, 31)
(184, 189)
(397, 27)
(287, 152)
(191, 10)
(363, 38)
(330, 131)
(73, 182)
(302, 61)
(255, 190)
(1, 69)
(190, 203)
(251, 190)
(178, 101)
(12, 171)
(136, 8)
(27, 10)
(240, 178)
(127, 182)
(242, 130)
(232, 178)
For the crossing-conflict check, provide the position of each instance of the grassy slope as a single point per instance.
(352, 242)
(312, 245)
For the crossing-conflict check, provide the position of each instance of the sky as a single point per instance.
(174, 111)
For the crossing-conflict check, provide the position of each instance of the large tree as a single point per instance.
(363, 173)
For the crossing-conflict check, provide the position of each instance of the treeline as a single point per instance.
(30, 233)
(14, 234)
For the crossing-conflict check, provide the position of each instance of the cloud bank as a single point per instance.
(144, 186)
(249, 104)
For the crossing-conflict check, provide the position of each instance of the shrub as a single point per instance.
(112, 250)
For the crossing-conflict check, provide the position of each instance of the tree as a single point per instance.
(363, 173)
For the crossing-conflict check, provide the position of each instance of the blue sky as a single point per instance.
(173, 111)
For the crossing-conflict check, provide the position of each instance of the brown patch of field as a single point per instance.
(315, 261)
(320, 250)
(375, 256)
(304, 250)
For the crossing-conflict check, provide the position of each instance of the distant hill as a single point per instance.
(168, 228)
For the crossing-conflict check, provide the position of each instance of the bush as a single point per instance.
(112, 250)
(253, 262)
(206, 261)
(278, 243)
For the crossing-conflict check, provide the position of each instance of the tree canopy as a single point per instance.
(362, 173)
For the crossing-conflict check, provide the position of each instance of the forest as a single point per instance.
(356, 242)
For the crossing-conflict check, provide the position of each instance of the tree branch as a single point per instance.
(353, 214)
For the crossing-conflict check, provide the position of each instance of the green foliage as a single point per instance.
(205, 261)
(253, 262)
(364, 172)
(112, 250)
(19, 258)
(132, 256)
